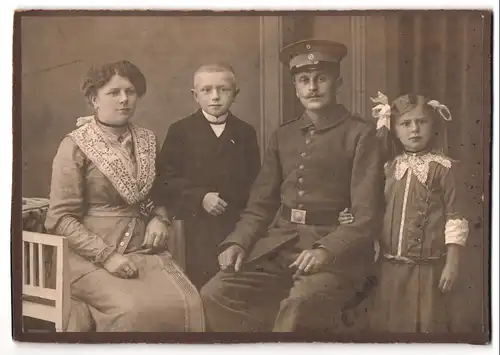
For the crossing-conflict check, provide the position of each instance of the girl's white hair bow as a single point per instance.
(83, 120)
(382, 111)
(443, 111)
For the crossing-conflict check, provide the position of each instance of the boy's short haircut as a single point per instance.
(216, 68)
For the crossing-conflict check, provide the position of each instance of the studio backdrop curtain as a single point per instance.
(447, 56)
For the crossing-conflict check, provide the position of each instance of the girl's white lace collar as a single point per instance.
(418, 164)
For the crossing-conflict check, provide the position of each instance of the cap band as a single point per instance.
(311, 59)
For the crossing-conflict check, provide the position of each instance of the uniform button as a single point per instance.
(122, 243)
(301, 180)
(301, 167)
(312, 132)
(303, 154)
(301, 193)
(127, 234)
(418, 239)
(300, 206)
(308, 141)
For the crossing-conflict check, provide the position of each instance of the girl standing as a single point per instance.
(423, 230)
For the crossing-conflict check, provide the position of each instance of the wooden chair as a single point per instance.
(46, 284)
(43, 299)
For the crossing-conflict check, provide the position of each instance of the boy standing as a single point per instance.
(206, 167)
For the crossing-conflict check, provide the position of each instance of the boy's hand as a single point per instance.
(213, 204)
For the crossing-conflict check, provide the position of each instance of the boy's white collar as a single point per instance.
(214, 119)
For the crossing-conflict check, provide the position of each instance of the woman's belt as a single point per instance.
(113, 211)
(413, 260)
(318, 218)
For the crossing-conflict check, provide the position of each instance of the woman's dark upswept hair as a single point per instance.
(99, 74)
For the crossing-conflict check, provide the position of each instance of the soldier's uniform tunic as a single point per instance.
(310, 173)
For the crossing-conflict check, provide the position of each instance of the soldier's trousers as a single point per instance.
(268, 296)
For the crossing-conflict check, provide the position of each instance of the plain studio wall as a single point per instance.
(56, 52)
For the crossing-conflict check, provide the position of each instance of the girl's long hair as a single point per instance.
(392, 146)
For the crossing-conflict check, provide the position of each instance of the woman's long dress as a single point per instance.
(100, 184)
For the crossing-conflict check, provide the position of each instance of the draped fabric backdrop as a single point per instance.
(447, 57)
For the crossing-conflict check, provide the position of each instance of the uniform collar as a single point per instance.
(338, 114)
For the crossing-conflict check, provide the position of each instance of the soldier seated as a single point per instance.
(283, 276)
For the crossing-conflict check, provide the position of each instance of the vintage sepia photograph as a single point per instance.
(243, 176)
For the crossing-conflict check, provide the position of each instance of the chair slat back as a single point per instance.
(40, 300)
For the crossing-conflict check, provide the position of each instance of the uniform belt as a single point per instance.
(319, 218)
(407, 260)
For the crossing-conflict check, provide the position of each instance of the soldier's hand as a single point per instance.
(310, 261)
(345, 217)
(213, 204)
(233, 255)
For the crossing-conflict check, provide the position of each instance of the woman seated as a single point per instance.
(99, 200)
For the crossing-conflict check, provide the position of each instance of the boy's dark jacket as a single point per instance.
(194, 161)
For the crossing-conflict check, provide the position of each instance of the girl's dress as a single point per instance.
(99, 184)
(422, 215)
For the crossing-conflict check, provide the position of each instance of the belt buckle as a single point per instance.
(298, 216)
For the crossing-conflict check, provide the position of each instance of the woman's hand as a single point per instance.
(156, 234)
(121, 266)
